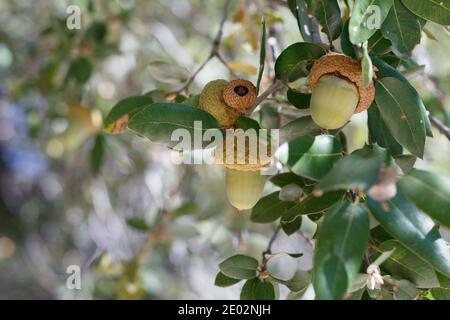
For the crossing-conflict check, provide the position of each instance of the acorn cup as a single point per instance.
(227, 100)
(338, 91)
(243, 177)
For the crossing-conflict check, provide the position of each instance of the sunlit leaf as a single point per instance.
(366, 18)
(118, 117)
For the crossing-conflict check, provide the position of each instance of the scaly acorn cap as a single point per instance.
(239, 94)
(211, 101)
(346, 68)
(243, 161)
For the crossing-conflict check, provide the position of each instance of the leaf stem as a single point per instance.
(263, 96)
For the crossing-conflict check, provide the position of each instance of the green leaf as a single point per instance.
(297, 128)
(285, 178)
(300, 12)
(262, 55)
(269, 208)
(366, 18)
(255, 289)
(224, 281)
(429, 192)
(239, 267)
(185, 209)
(366, 66)
(402, 28)
(118, 117)
(443, 291)
(328, 14)
(299, 281)
(292, 63)
(138, 224)
(385, 70)
(80, 70)
(347, 47)
(415, 230)
(405, 290)
(378, 44)
(398, 108)
(351, 172)
(342, 238)
(311, 157)
(330, 278)
(246, 123)
(98, 153)
(374, 150)
(192, 100)
(433, 10)
(405, 264)
(158, 121)
(405, 162)
(292, 226)
(379, 133)
(312, 204)
(298, 99)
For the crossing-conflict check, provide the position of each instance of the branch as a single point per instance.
(263, 96)
(440, 126)
(269, 247)
(214, 50)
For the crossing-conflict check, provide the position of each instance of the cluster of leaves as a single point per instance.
(323, 184)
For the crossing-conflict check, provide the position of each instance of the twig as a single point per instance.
(440, 126)
(268, 250)
(273, 87)
(214, 50)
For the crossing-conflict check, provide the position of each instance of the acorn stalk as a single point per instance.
(244, 188)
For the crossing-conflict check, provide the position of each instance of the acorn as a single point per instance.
(243, 179)
(227, 101)
(338, 91)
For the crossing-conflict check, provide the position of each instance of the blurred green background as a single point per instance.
(138, 225)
